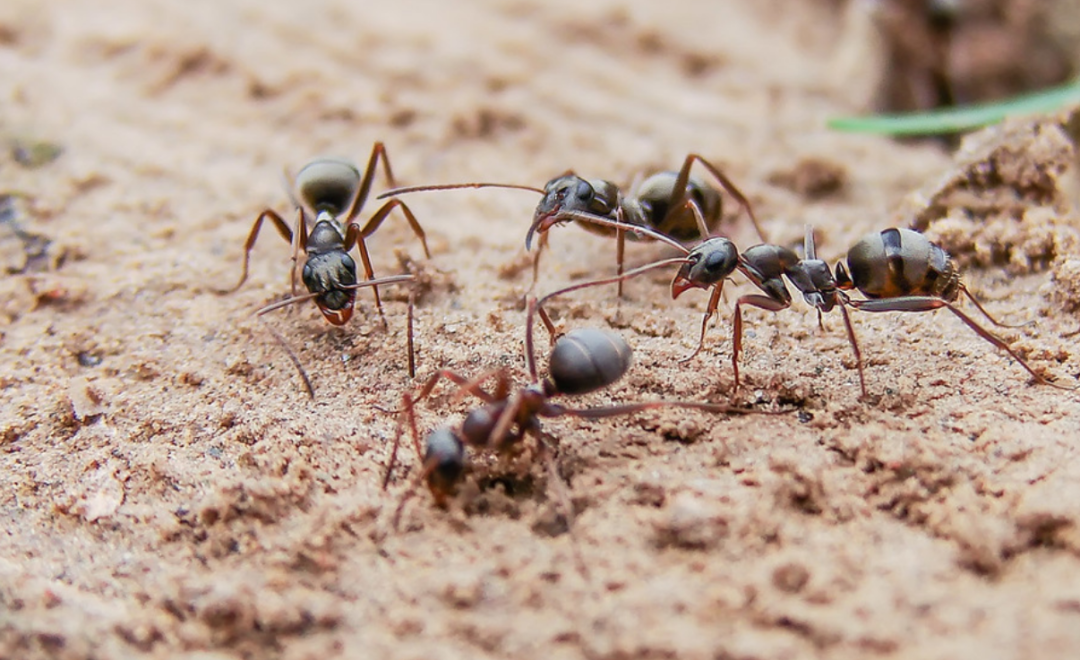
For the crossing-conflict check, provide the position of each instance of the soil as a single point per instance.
(167, 489)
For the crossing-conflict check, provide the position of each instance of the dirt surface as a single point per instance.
(168, 490)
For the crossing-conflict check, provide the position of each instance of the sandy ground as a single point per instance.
(168, 490)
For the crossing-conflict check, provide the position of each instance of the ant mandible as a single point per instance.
(581, 361)
(671, 203)
(333, 192)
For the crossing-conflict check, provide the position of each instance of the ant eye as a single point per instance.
(348, 263)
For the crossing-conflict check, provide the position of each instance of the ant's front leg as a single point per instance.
(283, 230)
(761, 302)
(714, 301)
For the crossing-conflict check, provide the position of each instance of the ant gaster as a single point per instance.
(672, 203)
(581, 361)
(330, 194)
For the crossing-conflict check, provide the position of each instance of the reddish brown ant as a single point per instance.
(671, 203)
(333, 192)
(581, 361)
(898, 270)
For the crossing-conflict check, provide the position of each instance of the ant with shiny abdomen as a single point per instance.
(671, 203)
(897, 270)
(329, 194)
(333, 192)
(581, 361)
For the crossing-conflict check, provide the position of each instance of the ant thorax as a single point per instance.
(327, 233)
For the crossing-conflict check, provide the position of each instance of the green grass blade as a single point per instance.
(954, 120)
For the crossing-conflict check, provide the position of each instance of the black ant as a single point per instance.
(898, 270)
(330, 194)
(581, 361)
(671, 203)
(333, 192)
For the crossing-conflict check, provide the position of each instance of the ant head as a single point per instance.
(709, 263)
(585, 360)
(565, 193)
(444, 461)
(570, 192)
(327, 184)
(326, 274)
(819, 290)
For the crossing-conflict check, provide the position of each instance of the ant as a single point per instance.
(333, 192)
(672, 203)
(897, 270)
(581, 361)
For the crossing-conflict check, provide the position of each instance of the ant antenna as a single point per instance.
(456, 186)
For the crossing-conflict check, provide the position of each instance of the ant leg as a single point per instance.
(407, 405)
(530, 351)
(536, 260)
(928, 303)
(684, 177)
(377, 219)
(714, 300)
(620, 252)
(506, 420)
(978, 305)
(299, 246)
(761, 302)
(369, 273)
(854, 345)
(253, 236)
(470, 386)
(553, 332)
(378, 150)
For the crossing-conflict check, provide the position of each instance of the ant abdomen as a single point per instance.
(587, 359)
(902, 262)
(328, 184)
(655, 195)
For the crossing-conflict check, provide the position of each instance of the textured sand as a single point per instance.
(167, 489)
